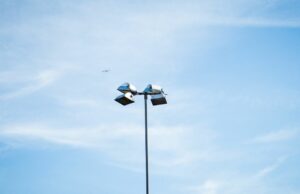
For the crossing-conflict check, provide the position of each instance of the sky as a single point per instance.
(231, 69)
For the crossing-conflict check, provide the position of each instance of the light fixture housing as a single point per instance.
(125, 99)
(153, 89)
(158, 99)
(127, 87)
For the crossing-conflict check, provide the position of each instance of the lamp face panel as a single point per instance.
(158, 99)
(125, 99)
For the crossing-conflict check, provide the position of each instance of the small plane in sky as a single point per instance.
(106, 70)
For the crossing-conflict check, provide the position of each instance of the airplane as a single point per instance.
(105, 70)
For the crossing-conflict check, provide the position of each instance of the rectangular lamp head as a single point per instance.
(153, 89)
(127, 87)
(125, 99)
(158, 99)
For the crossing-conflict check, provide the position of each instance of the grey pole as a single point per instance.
(146, 144)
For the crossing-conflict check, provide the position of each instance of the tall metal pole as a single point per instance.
(146, 144)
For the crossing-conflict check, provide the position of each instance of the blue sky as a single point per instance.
(231, 70)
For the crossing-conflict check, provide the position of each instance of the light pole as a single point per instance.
(157, 98)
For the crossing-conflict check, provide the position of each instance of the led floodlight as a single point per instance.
(125, 99)
(153, 89)
(127, 87)
(158, 99)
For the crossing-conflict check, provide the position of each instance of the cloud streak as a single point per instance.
(208, 187)
(235, 183)
(277, 136)
(32, 83)
(269, 169)
(250, 22)
(115, 141)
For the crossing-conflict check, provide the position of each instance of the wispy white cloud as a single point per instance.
(269, 169)
(9, 77)
(235, 183)
(171, 148)
(207, 187)
(217, 13)
(32, 83)
(169, 145)
(80, 102)
(251, 22)
(24, 133)
(277, 136)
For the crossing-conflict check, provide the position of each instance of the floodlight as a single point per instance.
(127, 87)
(158, 99)
(125, 99)
(153, 89)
